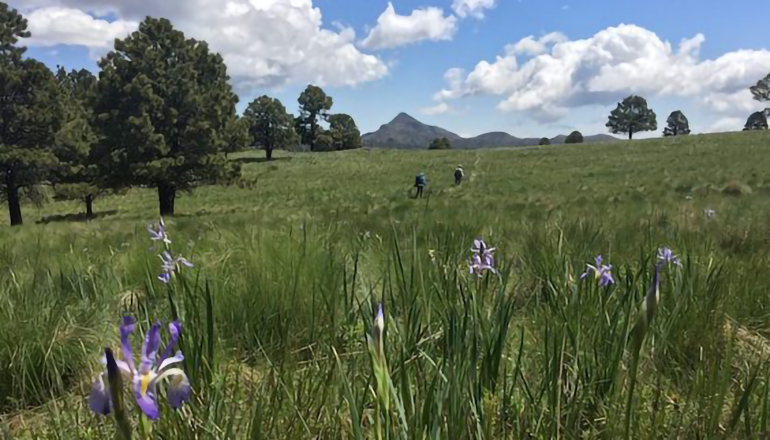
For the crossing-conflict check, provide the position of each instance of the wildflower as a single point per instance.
(160, 234)
(377, 331)
(482, 259)
(601, 272)
(709, 213)
(170, 265)
(148, 375)
(666, 256)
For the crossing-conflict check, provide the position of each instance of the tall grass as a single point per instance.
(275, 315)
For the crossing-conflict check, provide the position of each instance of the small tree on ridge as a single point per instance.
(677, 124)
(632, 116)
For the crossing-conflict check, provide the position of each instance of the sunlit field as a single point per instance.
(291, 263)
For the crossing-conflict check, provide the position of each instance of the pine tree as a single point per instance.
(162, 105)
(314, 105)
(632, 116)
(30, 114)
(270, 125)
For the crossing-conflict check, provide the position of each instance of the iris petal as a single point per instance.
(179, 391)
(175, 328)
(99, 401)
(126, 327)
(150, 348)
(146, 401)
(179, 357)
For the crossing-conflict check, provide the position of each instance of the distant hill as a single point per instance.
(407, 132)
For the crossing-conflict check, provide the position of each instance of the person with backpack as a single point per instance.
(459, 174)
(420, 182)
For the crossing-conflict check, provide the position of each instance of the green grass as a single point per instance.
(291, 262)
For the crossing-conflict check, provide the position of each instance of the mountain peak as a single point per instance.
(404, 118)
(404, 131)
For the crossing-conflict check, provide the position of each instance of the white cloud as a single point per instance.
(438, 109)
(395, 30)
(265, 43)
(612, 64)
(726, 124)
(472, 8)
(530, 46)
(56, 25)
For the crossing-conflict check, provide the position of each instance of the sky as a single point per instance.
(531, 68)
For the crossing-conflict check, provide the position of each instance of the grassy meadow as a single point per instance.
(291, 262)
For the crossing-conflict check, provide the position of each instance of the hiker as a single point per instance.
(459, 174)
(420, 181)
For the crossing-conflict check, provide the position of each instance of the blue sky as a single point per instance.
(588, 59)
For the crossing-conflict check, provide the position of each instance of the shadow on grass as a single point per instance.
(79, 217)
(245, 160)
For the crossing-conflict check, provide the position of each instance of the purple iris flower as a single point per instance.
(602, 272)
(160, 234)
(483, 259)
(169, 265)
(666, 256)
(378, 330)
(148, 375)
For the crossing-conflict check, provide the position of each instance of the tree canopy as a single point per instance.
(632, 116)
(270, 125)
(77, 175)
(162, 105)
(31, 113)
(757, 121)
(440, 144)
(237, 136)
(314, 105)
(575, 137)
(677, 124)
(544, 141)
(761, 90)
(344, 132)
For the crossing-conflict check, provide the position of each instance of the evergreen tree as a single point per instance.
(632, 116)
(440, 144)
(677, 124)
(574, 138)
(162, 106)
(344, 132)
(270, 125)
(757, 121)
(30, 114)
(314, 105)
(237, 137)
(77, 175)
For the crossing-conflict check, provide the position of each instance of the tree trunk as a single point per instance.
(269, 152)
(675, 129)
(313, 132)
(13, 198)
(166, 197)
(630, 134)
(90, 206)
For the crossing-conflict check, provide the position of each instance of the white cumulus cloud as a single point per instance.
(726, 124)
(472, 8)
(531, 46)
(603, 69)
(438, 109)
(265, 43)
(56, 25)
(393, 30)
